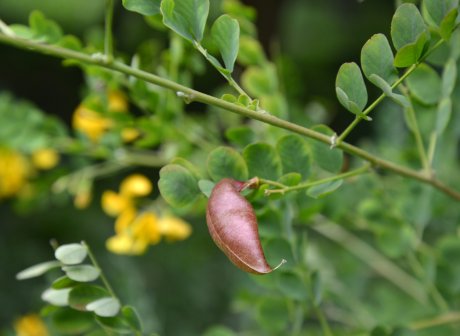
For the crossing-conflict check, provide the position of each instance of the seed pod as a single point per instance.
(232, 224)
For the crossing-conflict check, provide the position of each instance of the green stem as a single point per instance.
(285, 188)
(227, 76)
(432, 148)
(371, 107)
(449, 318)
(108, 36)
(374, 259)
(210, 100)
(323, 321)
(102, 275)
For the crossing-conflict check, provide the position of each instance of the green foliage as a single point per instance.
(263, 161)
(226, 162)
(377, 59)
(144, 7)
(226, 35)
(177, 185)
(350, 88)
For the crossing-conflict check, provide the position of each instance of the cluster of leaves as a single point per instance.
(77, 305)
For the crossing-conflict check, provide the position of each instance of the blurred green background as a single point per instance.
(309, 38)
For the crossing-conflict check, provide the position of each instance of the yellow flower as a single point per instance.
(114, 204)
(125, 219)
(126, 244)
(45, 158)
(146, 227)
(136, 185)
(90, 123)
(13, 172)
(129, 134)
(30, 325)
(174, 228)
(117, 101)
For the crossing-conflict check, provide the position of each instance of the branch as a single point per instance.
(210, 100)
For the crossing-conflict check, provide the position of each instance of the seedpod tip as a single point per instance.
(232, 224)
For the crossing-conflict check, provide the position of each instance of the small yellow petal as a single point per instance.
(117, 101)
(146, 227)
(30, 325)
(125, 219)
(113, 204)
(129, 134)
(14, 171)
(174, 228)
(136, 185)
(45, 159)
(90, 123)
(82, 199)
(125, 244)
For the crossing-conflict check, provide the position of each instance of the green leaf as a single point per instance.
(240, 135)
(63, 282)
(411, 53)
(206, 187)
(438, 10)
(57, 297)
(250, 52)
(292, 286)
(144, 7)
(295, 155)
(116, 325)
(37, 270)
(229, 98)
(273, 314)
(219, 331)
(226, 34)
(71, 254)
(407, 26)
(350, 88)
(324, 189)
(81, 295)
(226, 162)
(449, 78)
(270, 224)
(260, 81)
(425, 84)
(82, 273)
(290, 179)
(44, 29)
(316, 288)
(105, 307)
(67, 321)
(328, 159)
(132, 317)
(177, 185)
(188, 166)
(388, 91)
(443, 115)
(186, 17)
(377, 59)
(448, 24)
(277, 249)
(263, 161)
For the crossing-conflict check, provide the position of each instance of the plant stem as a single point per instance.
(374, 259)
(108, 36)
(103, 277)
(210, 100)
(351, 173)
(323, 321)
(452, 317)
(372, 106)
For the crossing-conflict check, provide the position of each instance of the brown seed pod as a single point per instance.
(232, 224)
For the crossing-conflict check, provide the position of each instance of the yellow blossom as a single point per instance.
(113, 203)
(125, 219)
(129, 134)
(174, 228)
(13, 172)
(117, 101)
(90, 122)
(136, 185)
(126, 244)
(146, 227)
(45, 158)
(30, 325)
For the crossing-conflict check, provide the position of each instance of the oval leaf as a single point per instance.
(82, 273)
(324, 189)
(226, 162)
(132, 317)
(232, 224)
(295, 155)
(177, 185)
(328, 159)
(350, 87)
(144, 7)
(105, 307)
(37, 270)
(186, 17)
(425, 84)
(439, 9)
(263, 161)
(407, 25)
(57, 297)
(226, 35)
(81, 295)
(63, 282)
(71, 254)
(377, 59)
